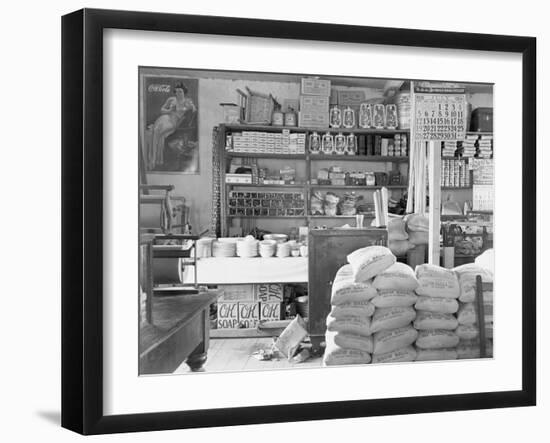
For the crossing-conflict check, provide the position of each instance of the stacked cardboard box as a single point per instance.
(244, 306)
(485, 146)
(283, 142)
(314, 103)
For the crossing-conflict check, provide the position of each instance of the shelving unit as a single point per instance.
(369, 158)
(252, 185)
(307, 160)
(351, 187)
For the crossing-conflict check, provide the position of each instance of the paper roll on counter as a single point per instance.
(167, 271)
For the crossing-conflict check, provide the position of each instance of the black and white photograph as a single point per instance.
(334, 221)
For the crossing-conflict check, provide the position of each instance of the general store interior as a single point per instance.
(273, 209)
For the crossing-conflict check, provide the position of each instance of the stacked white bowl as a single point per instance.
(283, 250)
(267, 248)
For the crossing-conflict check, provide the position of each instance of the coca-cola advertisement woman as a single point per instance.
(169, 124)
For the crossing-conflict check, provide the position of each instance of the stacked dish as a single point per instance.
(204, 247)
(247, 247)
(224, 247)
(267, 248)
(283, 250)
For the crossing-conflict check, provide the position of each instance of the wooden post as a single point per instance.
(434, 168)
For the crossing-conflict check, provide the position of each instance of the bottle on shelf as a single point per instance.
(290, 117)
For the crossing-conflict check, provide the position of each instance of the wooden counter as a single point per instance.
(179, 332)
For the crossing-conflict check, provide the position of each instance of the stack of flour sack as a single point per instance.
(382, 311)
(438, 290)
(372, 310)
(468, 328)
(446, 312)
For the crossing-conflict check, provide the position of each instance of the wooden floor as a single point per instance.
(235, 354)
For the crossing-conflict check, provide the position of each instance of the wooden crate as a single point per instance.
(270, 311)
(269, 292)
(228, 315)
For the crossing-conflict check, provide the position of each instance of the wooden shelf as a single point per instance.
(455, 188)
(270, 128)
(242, 333)
(364, 158)
(365, 188)
(360, 131)
(307, 160)
(266, 216)
(252, 185)
(266, 155)
(245, 127)
(369, 214)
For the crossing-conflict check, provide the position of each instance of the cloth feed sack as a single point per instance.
(400, 247)
(388, 341)
(436, 354)
(436, 304)
(396, 230)
(335, 355)
(353, 308)
(398, 276)
(355, 324)
(436, 338)
(391, 318)
(434, 320)
(370, 261)
(467, 275)
(346, 290)
(408, 353)
(349, 341)
(435, 281)
(391, 298)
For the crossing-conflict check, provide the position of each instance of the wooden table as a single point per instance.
(179, 332)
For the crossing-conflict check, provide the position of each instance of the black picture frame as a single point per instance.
(82, 215)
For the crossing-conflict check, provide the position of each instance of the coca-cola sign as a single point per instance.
(154, 87)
